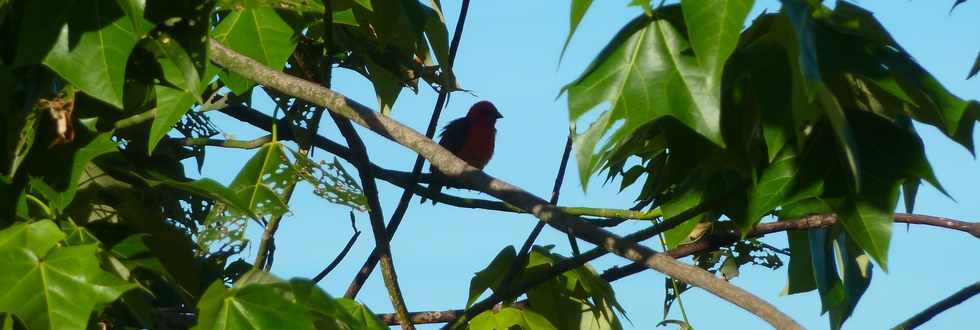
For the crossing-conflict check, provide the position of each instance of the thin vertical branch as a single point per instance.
(430, 131)
(370, 188)
(518, 265)
(267, 246)
(343, 253)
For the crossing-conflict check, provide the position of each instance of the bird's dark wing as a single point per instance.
(453, 136)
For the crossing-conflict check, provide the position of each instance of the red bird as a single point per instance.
(470, 138)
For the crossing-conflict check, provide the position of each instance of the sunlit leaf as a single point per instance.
(58, 289)
(579, 7)
(645, 74)
(714, 27)
(258, 33)
(38, 237)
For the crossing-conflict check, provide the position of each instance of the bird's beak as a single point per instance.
(498, 115)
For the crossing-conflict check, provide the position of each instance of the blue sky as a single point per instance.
(509, 54)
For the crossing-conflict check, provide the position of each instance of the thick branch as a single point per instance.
(939, 307)
(472, 177)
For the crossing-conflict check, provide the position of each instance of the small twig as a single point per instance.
(939, 307)
(235, 144)
(343, 253)
(396, 217)
(517, 266)
(136, 119)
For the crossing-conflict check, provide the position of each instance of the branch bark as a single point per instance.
(476, 179)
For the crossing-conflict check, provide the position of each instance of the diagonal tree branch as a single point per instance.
(430, 131)
(710, 243)
(370, 189)
(939, 307)
(401, 179)
(474, 178)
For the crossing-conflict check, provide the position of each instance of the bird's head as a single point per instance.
(484, 111)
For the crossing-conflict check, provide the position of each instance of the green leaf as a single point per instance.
(262, 180)
(257, 33)
(578, 299)
(579, 7)
(92, 51)
(363, 317)
(509, 317)
(206, 188)
(251, 306)
(801, 265)
(713, 28)
(172, 104)
(869, 225)
(331, 181)
(53, 165)
(645, 74)
(585, 145)
(910, 189)
(58, 290)
(825, 274)
(775, 184)
(490, 276)
(21, 129)
(800, 16)
(842, 130)
(133, 9)
(438, 35)
(176, 64)
(38, 237)
(677, 205)
(856, 271)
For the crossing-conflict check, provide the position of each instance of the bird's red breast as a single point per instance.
(471, 138)
(478, 148)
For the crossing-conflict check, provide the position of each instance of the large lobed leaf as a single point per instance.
(48, 286)
(259, 300)
(647, 72)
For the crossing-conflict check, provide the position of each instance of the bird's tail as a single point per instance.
(436, 181)
(434, 188)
